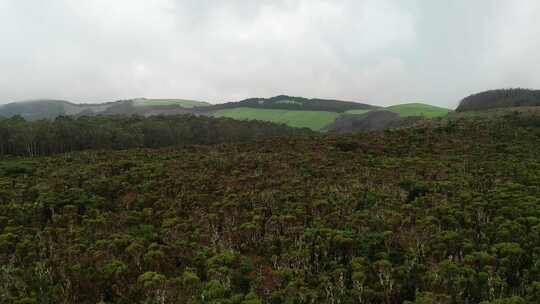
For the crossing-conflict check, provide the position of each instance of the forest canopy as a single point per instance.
(502, 98)
(444, 214)
(66, 134)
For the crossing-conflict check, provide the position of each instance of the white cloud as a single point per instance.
(382, 52)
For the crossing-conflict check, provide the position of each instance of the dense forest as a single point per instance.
(66, 134)
(444, 214)
(371, 121)
(503, 98)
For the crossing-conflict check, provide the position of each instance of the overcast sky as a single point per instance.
(375, 51)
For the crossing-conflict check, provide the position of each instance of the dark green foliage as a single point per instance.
(370, 121)
(293, 103)
(66, 134)
(15, 168)
(444, 214)
(504, 98)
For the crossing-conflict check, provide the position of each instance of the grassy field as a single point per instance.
(315, 120)
(418, 109)
(358, 111)
(185, 103)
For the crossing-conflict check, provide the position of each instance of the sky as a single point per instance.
(380, 52)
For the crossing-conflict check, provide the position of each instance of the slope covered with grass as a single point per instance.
(315, 120)
(418, 109)
(358, 111)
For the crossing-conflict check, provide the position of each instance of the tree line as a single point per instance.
(67, 134)
(502, 98)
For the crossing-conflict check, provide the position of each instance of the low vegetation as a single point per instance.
(444, 214)
(371, 121)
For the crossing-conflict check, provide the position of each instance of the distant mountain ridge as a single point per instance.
(314, 113)
(318, 114)
(50, 108)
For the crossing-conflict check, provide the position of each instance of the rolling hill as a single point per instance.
(285, 102)
(315, 113)
(418, 109)
(408, 109)
(315, 120)
(50, 108)
(184, 103)
(328, 115)
(504, 98)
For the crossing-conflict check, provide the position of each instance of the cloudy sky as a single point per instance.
(376, 51)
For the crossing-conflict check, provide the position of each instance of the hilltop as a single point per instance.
(317, 114)
(418, 109)
(50, 109)
(42, 108)
(328, 114)
(503, 98)
(285, 102)
(314, 113)
(156, 102)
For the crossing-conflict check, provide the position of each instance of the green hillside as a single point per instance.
(358, 111)
(418, 109)
(315, 120)
(315, 114)
(409, 109)
(185, 103)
